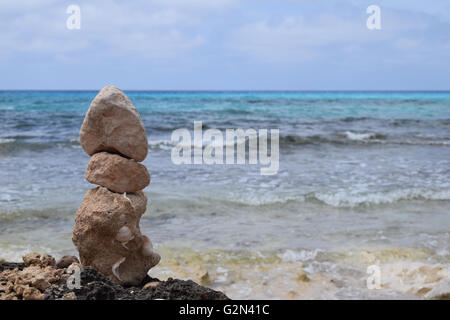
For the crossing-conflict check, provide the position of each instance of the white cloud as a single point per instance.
(296, 38)
(301, 39)
(153, 32)
(167, 29)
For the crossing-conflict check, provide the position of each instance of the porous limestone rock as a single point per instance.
(32, 258)
(106, 231)
(69, 296)
(108, 237)
(30, 293)
(151, 284)
(30, 283)
(113, 124)
(117, 173)
(48, 260)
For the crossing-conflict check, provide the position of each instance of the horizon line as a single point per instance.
(237, 90)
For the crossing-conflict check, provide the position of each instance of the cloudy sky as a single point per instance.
(225, 45)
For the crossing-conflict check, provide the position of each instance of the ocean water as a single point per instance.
(364, 179)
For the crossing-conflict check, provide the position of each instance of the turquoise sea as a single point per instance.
(364, 179)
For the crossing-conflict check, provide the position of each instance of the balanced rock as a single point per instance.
(108, 237)
(117, 173)
(113, 124)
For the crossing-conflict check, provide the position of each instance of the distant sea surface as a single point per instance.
(364, 179)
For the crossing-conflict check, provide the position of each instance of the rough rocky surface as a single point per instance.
(95, 286)
(108, 237)
(29, 280)
(113, 124)
(117, 173)
(37, 282)
(106, 232)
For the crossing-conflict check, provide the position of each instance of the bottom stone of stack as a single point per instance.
(108, 237)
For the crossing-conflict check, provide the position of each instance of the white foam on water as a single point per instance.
(4, 197)
(15, 252)
(349, 199)
(359, 136)
(298, 256)
(162, 144)
(6, 140)
(169, 144)
(253, 199)
(340, 198)
(414, 277)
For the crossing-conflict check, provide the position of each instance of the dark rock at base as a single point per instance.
(174, 289)
(95, 286)
(11, 266)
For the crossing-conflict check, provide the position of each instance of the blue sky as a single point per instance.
(225, 45)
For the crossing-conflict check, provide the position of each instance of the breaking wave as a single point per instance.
(6, 140)
(343, 199)
(344, 138)
(20, 143)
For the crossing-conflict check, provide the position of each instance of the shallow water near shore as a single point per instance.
(364, 180)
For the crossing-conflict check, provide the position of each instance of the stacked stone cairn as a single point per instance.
(107, 233)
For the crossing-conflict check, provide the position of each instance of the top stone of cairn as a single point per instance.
(113, 124)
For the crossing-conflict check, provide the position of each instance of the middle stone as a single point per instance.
(117, 173)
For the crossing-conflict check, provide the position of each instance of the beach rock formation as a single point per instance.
(36, 275)
(113, 124)
(36, 280)
(108, 238)
(106, 232)
(117, 173)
